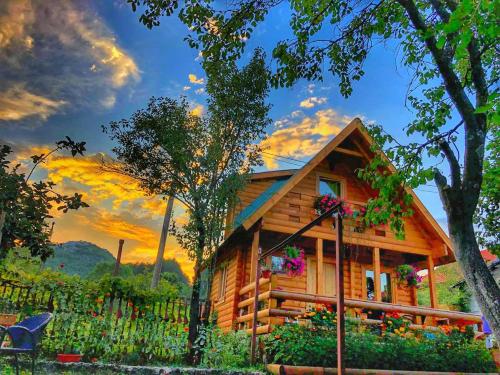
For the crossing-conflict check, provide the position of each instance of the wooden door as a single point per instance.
(329, 277)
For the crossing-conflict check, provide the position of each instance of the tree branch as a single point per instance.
(454, 164)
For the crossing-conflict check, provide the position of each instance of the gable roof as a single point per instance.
(279, 191)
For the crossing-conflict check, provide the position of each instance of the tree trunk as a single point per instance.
(476, 273)
(3, 214)
(194, 318)
(163, 239)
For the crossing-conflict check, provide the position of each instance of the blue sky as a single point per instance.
(68, 68)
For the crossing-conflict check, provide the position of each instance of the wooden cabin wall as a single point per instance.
(295, 210)
(226, 307)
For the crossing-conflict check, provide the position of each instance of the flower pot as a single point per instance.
(69, 358)
(266, 274)
(8, 320)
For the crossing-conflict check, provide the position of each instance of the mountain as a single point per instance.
(78, 257)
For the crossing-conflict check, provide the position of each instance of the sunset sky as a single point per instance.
(66, 68)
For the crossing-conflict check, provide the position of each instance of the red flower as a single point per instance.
(93, 359)
(103, 333)
(61, 265)
(186, 329)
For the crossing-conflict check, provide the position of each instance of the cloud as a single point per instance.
(185, 88)
(200, 91)
(195, 80)
(118, 208)
(17, 103)
(62, 51)
(312, 101)
(303, 137)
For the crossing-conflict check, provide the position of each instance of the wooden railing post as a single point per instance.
(255, 309)
(339, 279)
(320, 276)
(376, 274)
(432, 281)
(118, 258)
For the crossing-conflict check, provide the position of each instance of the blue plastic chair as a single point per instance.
(25, 338)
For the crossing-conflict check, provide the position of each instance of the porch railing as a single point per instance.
(271, 310)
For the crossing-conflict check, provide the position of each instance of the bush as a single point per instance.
(299, 345)
(223, 350)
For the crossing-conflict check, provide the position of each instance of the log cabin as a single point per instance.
(275, 204)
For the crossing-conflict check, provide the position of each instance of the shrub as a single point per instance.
(223, 350)
(298, 345)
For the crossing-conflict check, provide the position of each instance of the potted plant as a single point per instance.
(408, 275)
(8, 312)
(72, 356)
(265, 271)
(294, 263)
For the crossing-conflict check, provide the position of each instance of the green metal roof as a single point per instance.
(259, 201)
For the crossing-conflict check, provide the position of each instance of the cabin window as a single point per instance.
(330, 187)
(277, 264)
(385, 286)
(223, 282)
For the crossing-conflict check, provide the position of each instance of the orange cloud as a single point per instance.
(195, 80)
(302, 137)
(17, 103)
(312, 101)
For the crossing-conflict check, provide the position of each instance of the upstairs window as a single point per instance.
(330, 187)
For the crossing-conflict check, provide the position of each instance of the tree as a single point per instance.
(200, 160)
(161, 246)
(25, 206)
(450, 45)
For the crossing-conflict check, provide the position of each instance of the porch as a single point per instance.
(369, 279)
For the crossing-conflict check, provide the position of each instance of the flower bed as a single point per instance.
(299, 345)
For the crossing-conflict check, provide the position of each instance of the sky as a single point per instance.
(69, 67)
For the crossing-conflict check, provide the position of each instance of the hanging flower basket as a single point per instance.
(408, 275)
(294, 263)
(324, 202)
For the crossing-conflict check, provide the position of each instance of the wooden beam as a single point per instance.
(432, 281)
(320, 276)
(339, 281)
(249, 287)
(346, 151)
(249, 301)
(384, 306)
(352, 279)
(376, 274)
(255, 255)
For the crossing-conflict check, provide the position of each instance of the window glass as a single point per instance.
(385, 285)
(222, 283)
(329, 187)
(370, 285)
(277, 264)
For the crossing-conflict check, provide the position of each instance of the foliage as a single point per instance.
(293, 261)
(408, 274)
(394, 323)
(448, 292)
(324, 317)
(486, 217)
(229, 350)
(295, 344)
(201, 160)
(25, 207)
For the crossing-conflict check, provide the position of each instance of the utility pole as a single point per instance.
(163, 239)
(118, 258)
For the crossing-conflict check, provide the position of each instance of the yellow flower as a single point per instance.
(389, 322)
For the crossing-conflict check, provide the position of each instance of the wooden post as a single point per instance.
(320, 276)
(255, 308)
(339, 280)
(118, 258)
(432, 281)
(161, 247)
(376, 274)
(352, 279)
(255, 256)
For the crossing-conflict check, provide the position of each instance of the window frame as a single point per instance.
(221, 293)
(392, 275)
(334, 178)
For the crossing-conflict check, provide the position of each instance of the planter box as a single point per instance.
(8, 320)
(69, 358)
(305, 370)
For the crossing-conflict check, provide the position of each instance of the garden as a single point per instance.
(113, 321)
